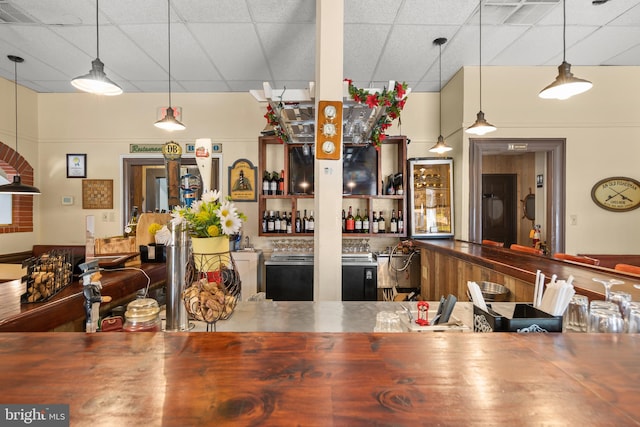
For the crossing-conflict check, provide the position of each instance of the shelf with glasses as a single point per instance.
(367, 172)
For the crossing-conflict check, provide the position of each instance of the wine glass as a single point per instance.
(607, 285)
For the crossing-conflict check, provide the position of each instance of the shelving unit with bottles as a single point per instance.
(367, 173)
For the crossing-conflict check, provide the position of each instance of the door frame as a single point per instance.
(555, 148)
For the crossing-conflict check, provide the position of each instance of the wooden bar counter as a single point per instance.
(326, 379)
(65, 311)
(447, 265)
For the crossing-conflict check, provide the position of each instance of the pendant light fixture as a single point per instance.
(169, 121)
(565, 85)
(97, 81)
(481, 126)
(17, 187)
(441, 146)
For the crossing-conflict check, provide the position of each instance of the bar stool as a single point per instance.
(628, 268)
(525, 249)
(492, 243)
(577, 258)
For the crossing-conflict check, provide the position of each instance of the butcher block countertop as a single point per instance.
(326, 379)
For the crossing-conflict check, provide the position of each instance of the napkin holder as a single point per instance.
(526, 318)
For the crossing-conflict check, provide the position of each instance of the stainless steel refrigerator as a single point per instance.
(430, 197)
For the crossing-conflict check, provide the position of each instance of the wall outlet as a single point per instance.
(573, 219)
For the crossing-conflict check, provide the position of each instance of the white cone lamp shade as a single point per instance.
(566, 84)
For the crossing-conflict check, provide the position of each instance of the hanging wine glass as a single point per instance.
(607, 285)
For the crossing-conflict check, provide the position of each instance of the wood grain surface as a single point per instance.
(299, 379)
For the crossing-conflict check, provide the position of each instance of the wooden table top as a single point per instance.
(523, 266)
(68, 304)
(332, 379)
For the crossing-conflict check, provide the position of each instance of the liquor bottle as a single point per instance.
(351, 222)
(281, 183)
(298, 222)
(374, 223)
(382, 227)
(305, 222)
(365, 222)
(400, 223)
(391, 189)
(289, 224)
(276, 223)
(265, 219)
(273, 184)
(344, 221)
(311, 223)
(393, 224)
(358, 222)
(130, 229)
(283, 223)
(266, 183)
(271, 222)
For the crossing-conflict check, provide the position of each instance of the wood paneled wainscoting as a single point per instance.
(443, 274)
(447, 265)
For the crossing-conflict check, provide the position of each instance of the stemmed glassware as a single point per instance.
(607, 285)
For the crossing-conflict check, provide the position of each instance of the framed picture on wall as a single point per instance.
(76, 165)
(242, 181)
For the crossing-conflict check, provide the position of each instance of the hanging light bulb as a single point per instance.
(17, 187)
(441, 146)
(97, 81)
(481, 126)
(565, 84)
(169, 121)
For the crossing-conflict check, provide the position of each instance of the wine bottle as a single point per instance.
(276, 223)
(298, 222)
(365, 222)
(393, 223)
(265, 219)
(382, 227)
(271, 222)
(400, 223)
(283, 223)
(351, 222)
(289, 224)
(266, 183)
(273, 184)
(305, 222)
(281, 183)
(374, 223)
(357, 222)
(344, 221)
(311, 223)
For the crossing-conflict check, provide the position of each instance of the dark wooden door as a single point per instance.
(499, 208)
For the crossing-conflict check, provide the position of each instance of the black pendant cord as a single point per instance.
(564, 30)
(440, 61)
(97, 33)
(480, 55)
(15, 90)
(169, 33)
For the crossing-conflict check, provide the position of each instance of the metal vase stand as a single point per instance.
(214, 287)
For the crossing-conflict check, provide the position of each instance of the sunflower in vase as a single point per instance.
(211, 216)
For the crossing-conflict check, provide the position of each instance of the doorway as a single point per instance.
(550, 200)
(499, 207)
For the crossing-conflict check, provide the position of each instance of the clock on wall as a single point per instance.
(617, 194)
(329, 130)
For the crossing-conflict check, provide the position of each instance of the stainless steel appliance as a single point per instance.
(400, 271)
(430, 197)
(289, 277)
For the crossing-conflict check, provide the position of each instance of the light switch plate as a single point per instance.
(67, 200)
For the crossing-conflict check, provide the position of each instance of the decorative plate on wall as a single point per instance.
(617, 194)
